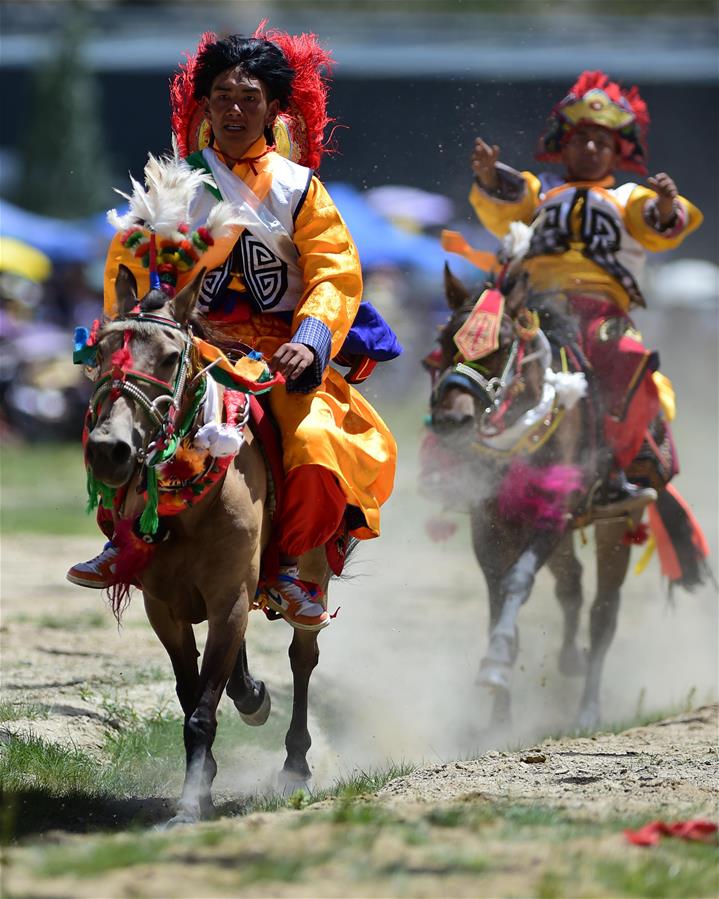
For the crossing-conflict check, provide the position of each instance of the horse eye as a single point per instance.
(170, 359)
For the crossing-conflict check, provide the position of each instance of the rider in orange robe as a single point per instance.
(288, 284)
(589, 241)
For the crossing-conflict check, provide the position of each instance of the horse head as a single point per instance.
(505, 382)
(143, 358)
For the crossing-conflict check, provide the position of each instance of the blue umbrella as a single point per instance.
(60, 240)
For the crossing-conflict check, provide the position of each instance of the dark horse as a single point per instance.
(208, 566)
(526, 460)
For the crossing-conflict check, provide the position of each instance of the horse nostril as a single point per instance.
(109, 460)
(120, 453)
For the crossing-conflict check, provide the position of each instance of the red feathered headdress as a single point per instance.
(298, 131)
(599, 101)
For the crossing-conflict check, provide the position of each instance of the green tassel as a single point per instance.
(97, 492)
(92, 492)
(149, 520)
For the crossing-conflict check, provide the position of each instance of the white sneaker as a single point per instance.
(97, 572)
(299, 602)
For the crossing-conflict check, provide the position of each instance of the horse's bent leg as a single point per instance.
(179, 640)
(493, 557)
(567, 571)
(304, 654)
(492, 560)
(226, 632)
(251, 697)
(515, 586)
(612, 563)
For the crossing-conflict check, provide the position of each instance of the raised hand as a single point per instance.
(484, 160)
(667, 193)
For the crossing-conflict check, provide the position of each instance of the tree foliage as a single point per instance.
(64, 168)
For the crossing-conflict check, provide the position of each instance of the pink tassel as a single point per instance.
(538, 496)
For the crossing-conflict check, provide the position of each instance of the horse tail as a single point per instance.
(680, 541)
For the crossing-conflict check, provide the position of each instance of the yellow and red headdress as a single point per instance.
(299, 131)
(597, 100)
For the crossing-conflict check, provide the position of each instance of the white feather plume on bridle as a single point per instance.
(164, 202)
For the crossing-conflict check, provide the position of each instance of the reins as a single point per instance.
(120, 381)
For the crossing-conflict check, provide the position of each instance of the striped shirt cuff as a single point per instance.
(317, 336)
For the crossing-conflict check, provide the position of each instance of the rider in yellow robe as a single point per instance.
(588, 243)
(289, 284)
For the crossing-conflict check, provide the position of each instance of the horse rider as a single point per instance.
(588, 244)
(289, 285)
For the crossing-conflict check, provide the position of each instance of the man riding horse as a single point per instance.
(289, 285)
(588, 245)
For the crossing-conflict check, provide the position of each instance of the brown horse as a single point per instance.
(208, 566)
(525, 462)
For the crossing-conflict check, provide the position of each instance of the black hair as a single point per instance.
(258, 58)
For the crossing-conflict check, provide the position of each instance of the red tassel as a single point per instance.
(638, 536)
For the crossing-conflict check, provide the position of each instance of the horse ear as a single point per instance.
(455, 292)
(125, 290)
(184, 303)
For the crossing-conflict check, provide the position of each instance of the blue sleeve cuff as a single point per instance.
(317, 336)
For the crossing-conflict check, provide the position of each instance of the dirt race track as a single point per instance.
(481, 814)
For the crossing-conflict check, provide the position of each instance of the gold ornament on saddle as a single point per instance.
(526, 324)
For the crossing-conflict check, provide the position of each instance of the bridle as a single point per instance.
(124, 381)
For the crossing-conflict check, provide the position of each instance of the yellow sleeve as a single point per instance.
(497, 214)
(330, 266)
(641, 230)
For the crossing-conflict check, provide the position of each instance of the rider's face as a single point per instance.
(239, 111)
(589, 153)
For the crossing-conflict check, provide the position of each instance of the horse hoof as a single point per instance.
(261, 714)
(588, 718)
(494, 676)
(290, 782)
(572, 661)
(183, 817)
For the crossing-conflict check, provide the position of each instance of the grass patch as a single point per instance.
(19, 711)
(673, 870)
(43, 490)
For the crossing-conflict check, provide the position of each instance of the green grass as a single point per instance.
(16, 711)
(673, 870)
(43, 490)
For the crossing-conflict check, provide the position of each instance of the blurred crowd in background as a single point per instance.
(86, 98)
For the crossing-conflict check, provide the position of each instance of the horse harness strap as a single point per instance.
(122, 381)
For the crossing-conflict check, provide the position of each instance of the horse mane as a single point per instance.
(559, 326)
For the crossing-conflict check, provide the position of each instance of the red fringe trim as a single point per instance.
(308, 106)
(589, 80)
(185, 109)
(133, 557)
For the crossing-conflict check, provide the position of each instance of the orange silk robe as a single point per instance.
(332, 426)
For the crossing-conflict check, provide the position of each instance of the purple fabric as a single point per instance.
(370, 335)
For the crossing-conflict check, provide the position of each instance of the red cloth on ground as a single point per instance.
(650, 834)
(311, 510)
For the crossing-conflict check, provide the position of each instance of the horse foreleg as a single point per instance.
(225, 634)
(612, 563)
(567, 571)
(492, 553)
(514, 589)
(304, 654)
(251, 697)
(179, 640)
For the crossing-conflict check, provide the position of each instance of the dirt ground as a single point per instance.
(395, 684)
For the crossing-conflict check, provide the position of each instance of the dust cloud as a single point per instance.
(396, 679)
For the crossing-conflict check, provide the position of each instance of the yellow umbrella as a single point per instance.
(19, 258)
